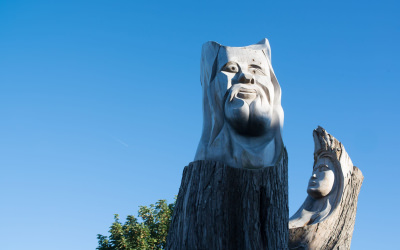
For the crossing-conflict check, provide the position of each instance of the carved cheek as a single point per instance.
(263, 80)
(225, 80)
(266, 83)
(221, 84)
(327, 181)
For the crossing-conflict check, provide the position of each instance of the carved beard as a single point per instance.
(248, 110)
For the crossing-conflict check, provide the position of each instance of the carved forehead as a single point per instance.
(242, 55)
(325, 161)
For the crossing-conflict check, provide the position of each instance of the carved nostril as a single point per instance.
(246, 78)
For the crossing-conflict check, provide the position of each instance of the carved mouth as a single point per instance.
(246, 93)
(243, 90)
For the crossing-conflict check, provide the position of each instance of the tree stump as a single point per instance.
(221, 207)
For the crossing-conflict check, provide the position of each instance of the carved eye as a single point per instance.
(256, 70)
(323, 168)
(320, 168)
(231, 67)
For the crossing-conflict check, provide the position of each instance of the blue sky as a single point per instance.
(100, 105)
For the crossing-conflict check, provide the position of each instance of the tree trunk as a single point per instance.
(220, 207)
(336, 231)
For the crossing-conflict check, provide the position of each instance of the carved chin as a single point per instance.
(318, 192)
(247, 117)
(315, 193)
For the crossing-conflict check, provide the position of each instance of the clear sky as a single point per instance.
(100, 105)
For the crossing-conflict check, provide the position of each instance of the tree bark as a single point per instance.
(221, 207)
(336, 231)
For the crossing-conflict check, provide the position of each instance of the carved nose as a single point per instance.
(246, 78)
(314, 176)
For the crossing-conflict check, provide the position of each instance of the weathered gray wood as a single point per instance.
(326, 221)
(336, 231)
(242, 111)
(221, 207)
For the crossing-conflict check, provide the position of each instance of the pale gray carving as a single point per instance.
(235, 194)
(326, 218)
(243, 116)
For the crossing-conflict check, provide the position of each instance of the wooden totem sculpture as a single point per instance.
(326, 218)
(235, 194)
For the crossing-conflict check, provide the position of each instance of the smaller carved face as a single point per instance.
(322, 179)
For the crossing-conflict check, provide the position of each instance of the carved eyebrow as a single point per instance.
(254, 66)
(321, 166)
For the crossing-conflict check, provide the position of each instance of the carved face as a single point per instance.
(243, 80)
(322, 179)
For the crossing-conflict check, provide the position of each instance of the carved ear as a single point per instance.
(209, 55)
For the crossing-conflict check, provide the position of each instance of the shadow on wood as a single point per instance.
(220, 207)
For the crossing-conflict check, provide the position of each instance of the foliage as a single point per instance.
(150, 233)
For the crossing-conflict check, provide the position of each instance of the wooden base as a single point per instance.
(220, 207)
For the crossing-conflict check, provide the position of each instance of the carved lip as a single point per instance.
(245, 93)
(245, 90)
